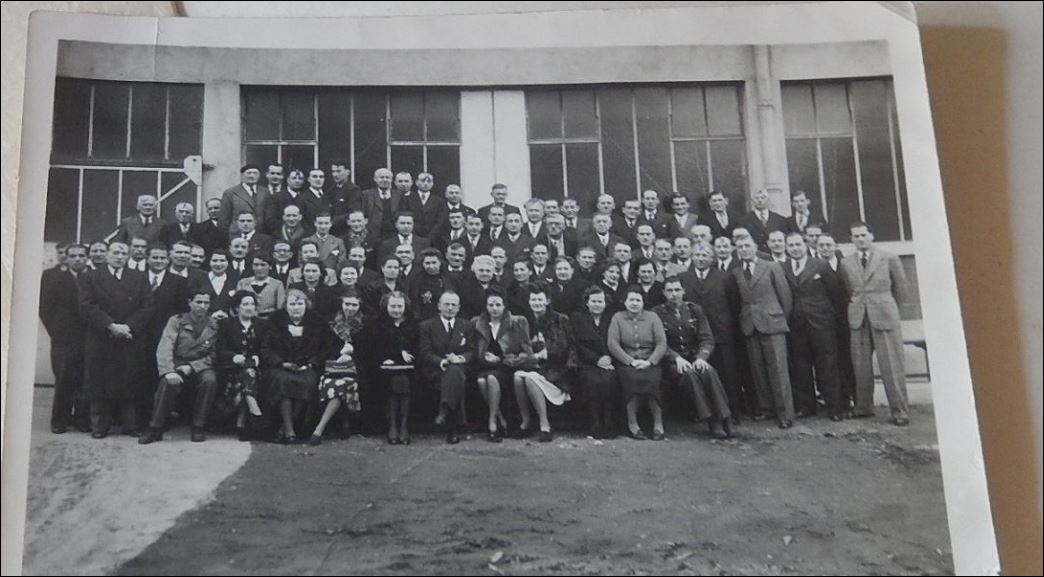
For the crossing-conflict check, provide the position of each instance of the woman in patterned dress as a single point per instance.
(339, 385)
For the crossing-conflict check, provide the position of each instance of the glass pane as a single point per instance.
(148, 122)
(370, 152)
(870, 106)
(690, 160)
(832, 114)
(545, 167)
(72, 113)
(300, 156)
(444, 166)
(187, 193)
(442, 113)
(654, 154)
(729, 161)
(798, 114)
(63, 191)
(135, 184)
(334, 128)
(723, 111)
(407, 158)
(839, 178)
(299, 115)
(111, 100)
(186, 120)
(407, 116)
(261, 114)
(261, 155)
(544, 111)
(688, 117)
(578, 108)
(582, 173)
(902, 174)
(614, 105)
(803, 168)
(99, 204)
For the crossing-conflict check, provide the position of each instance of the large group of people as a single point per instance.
(302, 306)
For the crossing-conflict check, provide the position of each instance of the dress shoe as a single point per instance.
(658, 436)
(99, 434)
(150, 436)
(524, 433)
(836, 418)
(726, 426)
(786, 424)
(639, 435)
(59, 429)
(405, 440)
(198, 435)
(494, 437)
(315, 440)
(717, 430)
(393, 440)
(901, 421)
(545, 437)
(452, 438)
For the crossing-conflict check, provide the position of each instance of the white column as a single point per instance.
(773, 162)
(511, 151)
(221, 138)
(477, 147)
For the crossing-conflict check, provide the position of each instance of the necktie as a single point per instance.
(865, 258)
(721, 266)
(155, 282)
(797, 268)
(148, 220)
(748, 270)
(250, 189)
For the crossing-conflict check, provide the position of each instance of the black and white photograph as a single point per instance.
(600, 290)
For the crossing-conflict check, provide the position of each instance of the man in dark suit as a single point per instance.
(209, 233)
(777, 245)
(499, 193)
(239, 264)
(169, 297)
(257, 242)
(429, 210)
(447, 347)
(765, 303)
(818, 296)
(403, 235)
(314, 201)
(274, 180)
(116, 305)
(290, 195)
(560, 240)
(474, 241)
(247, 196)
(291, 229)
(361, 235)
(876, 285)
(454, 200)
(381, 204)
(720, 218)
(282, 261)
(516, 244)
(183, 228)
(760, 221)
(404, 184)
(454, 231)
(343, 194)
(717, 293)
(534, 227)
(457, 263)
(725, 254)
(146, 224)
(571, 214)
(60, 313)
(829, 253)
(621, 255)
(180, 263)
(543, 268)
(654, 215)
(601, 238)
(681, 219)
(357, 257)
(627, 227)
(645, 247)
(801, 216)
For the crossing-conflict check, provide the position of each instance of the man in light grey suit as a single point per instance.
(247, 196)
(876, 285)
(765, 304)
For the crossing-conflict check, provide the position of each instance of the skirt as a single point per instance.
(635, 383)
(552, 393)
(296, 385)
(340, 386)
(598, 385)
(503, 375)
(242, 382)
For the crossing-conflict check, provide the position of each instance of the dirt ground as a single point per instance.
(859, 497)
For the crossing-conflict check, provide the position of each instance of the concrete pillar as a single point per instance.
(221, 137)
(477, 146)
(511, 151)
(770, 135)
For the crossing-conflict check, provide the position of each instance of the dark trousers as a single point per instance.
(166, 394)
(814, 348)
(101, 415)
(771, 374)
(69, 407)
(846, 373)
(601, 392)
(726, 362)
(452, 386)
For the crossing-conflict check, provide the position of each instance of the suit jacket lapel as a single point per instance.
(243, 194)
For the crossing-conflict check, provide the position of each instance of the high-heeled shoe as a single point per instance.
(404, 440)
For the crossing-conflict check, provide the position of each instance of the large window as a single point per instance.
(843, 150)
(622, 140)
(411, 130)
(114, 141)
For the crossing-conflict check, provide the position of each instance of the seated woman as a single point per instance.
(552, 343)
(322, 298)
(239, 339)
(690, 344)
(339, 386)
(637, 342)
(293, 355)
(518, 289)
(597, 374)
(566, 290)
(395, 345)
(502, 346)
(271, 294)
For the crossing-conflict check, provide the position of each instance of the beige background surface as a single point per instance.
(984, 73)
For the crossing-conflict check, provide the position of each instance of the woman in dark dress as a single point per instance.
(597, 373)
(552, 342)
(517, 294)
(638, 343)
(322, 298)
(389, 282)
(615, 291)
(502, 346)
(395, 342)
(293, 354)
(339, 386)
(238, 348)
(566, 290)
(652, 289)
